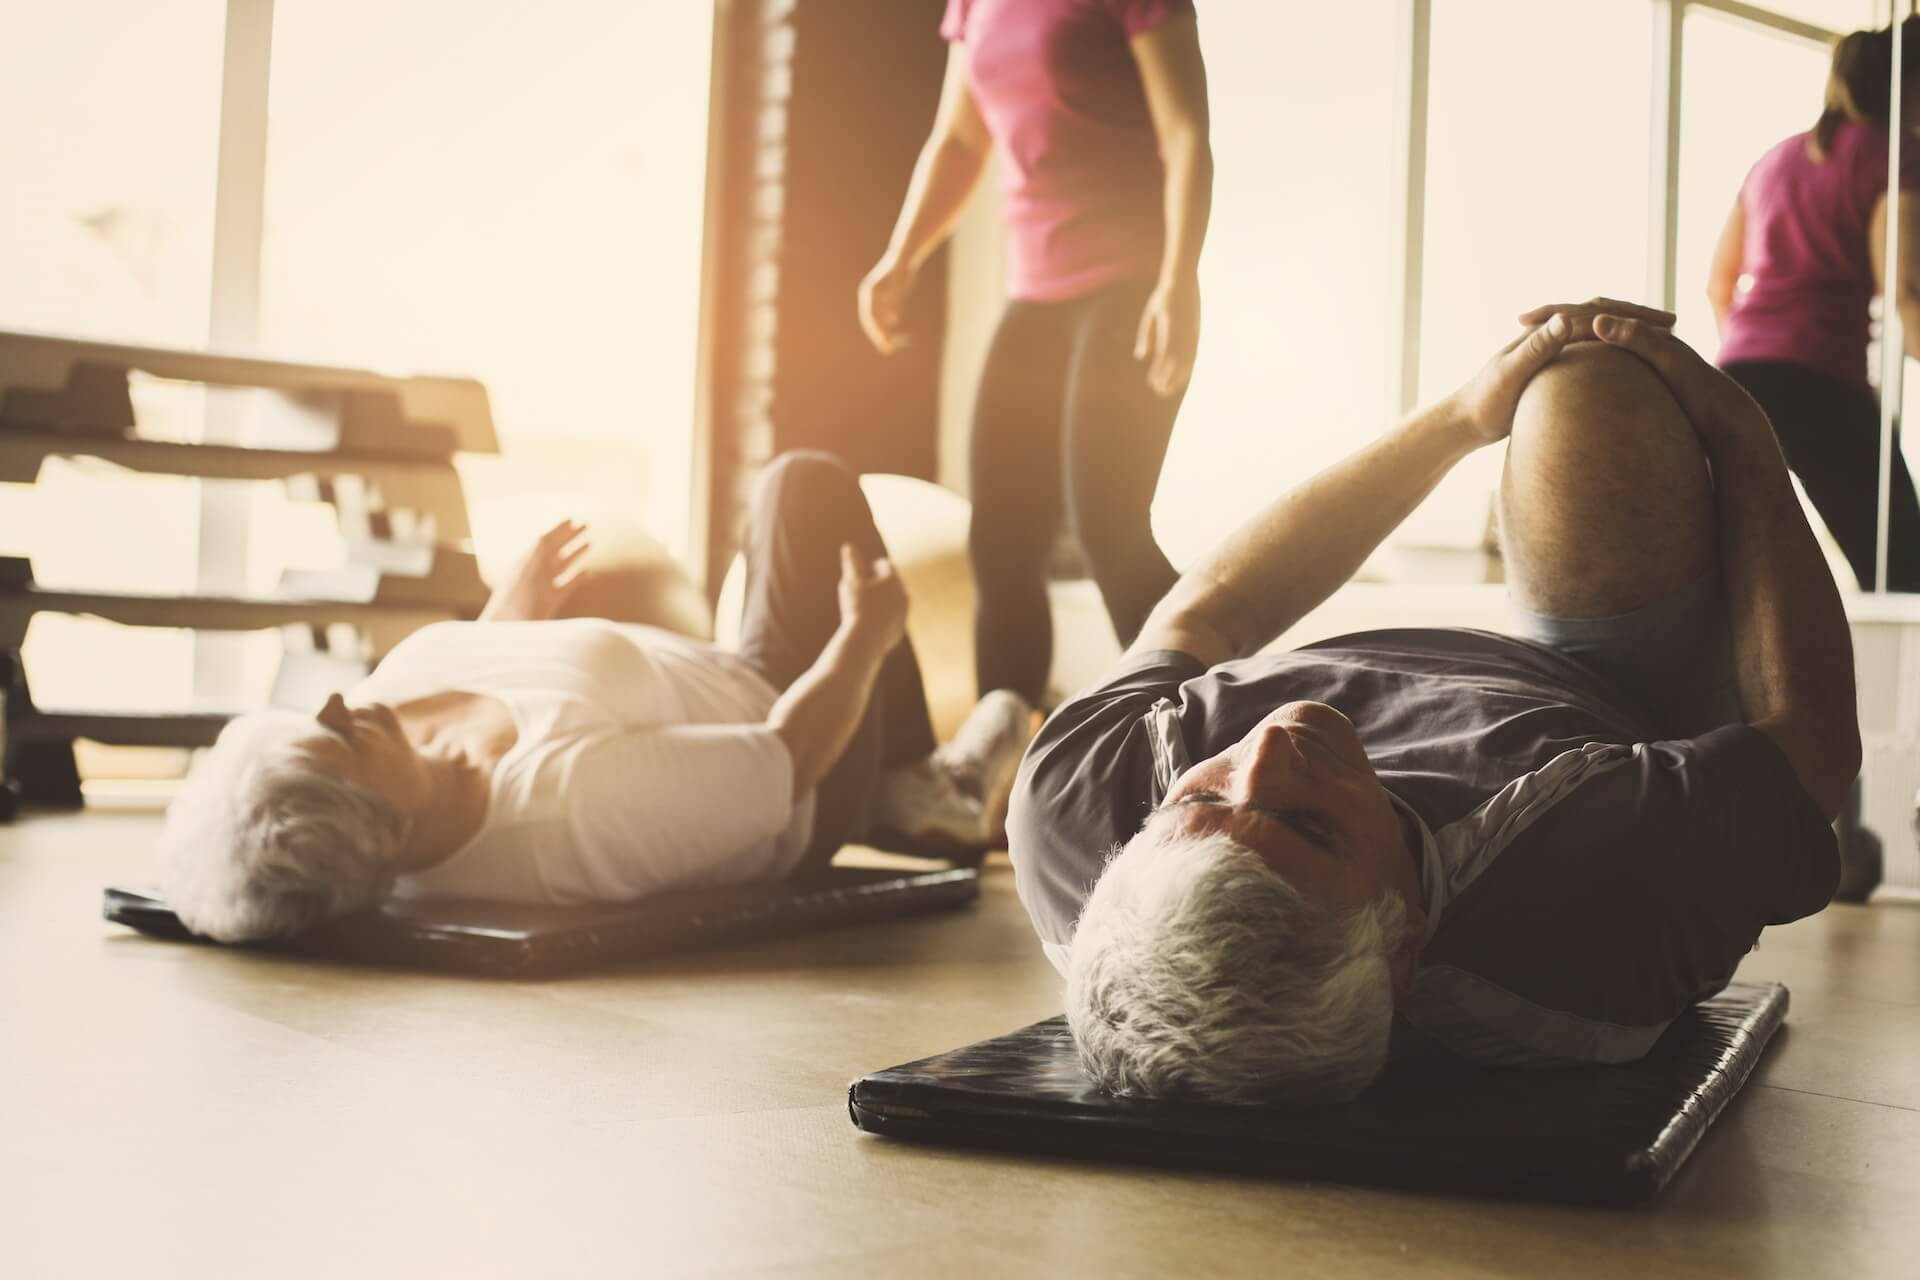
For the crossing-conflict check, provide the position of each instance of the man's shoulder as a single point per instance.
(1091, 740)
(1087, 782)
(1624, 885)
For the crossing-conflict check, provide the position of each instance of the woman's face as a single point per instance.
(367, 746)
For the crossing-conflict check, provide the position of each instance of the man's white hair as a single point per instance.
(262, 844)
(1198, 971)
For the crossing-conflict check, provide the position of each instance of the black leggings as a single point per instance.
(808, 503)
(1829, 430)
(1064, 417)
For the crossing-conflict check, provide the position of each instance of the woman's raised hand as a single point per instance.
(883, 304)
(873, 600)
(543, 579)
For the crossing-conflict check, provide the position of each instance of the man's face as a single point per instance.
(1299, 791)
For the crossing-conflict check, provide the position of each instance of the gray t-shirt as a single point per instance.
(1585, 882)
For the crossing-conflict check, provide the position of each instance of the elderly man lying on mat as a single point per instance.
(1266, 874)
(527, 758)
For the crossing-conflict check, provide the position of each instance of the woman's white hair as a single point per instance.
(1197, 971)
(262, 844)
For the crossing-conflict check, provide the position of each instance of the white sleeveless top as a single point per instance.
(643, 762)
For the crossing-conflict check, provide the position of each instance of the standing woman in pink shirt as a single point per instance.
(1099, 111)
(1800, 258)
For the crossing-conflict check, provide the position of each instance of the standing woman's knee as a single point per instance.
(1114, 537)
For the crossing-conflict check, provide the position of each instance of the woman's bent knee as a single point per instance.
(809, 478)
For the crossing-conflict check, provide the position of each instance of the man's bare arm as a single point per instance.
(1290, 557)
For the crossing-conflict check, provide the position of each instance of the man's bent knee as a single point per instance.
(1599, 399)
(1606, 504)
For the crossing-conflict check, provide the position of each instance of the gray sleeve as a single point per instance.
(1757, 850)
(1085, 786)
(1643, 889)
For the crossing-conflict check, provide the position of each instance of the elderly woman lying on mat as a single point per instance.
(531, 758)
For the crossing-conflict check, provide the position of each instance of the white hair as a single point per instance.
(1197, 971)
(260, 843)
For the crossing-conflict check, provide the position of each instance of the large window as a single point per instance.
(1539, 186)
(109, 117)
(1834, 15)
(1725, 128)
(512, 192)
(109, 121)
(1293, 363)
(1536, 192)
(504, 191)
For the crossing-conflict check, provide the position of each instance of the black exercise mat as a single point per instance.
(510, 941)
(1591, 1135)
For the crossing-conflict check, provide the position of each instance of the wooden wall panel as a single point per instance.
(819, 110)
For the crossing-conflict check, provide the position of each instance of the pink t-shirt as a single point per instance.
(1806, 274)
(1057, 85)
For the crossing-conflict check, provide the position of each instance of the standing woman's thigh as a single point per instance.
(1014, 482)
(1117, 430)
(1830, 433)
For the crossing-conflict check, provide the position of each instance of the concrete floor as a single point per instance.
(167, 1110)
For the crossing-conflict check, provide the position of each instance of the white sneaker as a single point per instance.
(985, 753)
(924, 807)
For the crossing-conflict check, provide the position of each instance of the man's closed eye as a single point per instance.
(1305, 823)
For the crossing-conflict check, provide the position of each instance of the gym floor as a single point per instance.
(170, 1110)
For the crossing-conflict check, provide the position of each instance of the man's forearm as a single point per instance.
(818, 714)
(1284, 562)
(1793, 651)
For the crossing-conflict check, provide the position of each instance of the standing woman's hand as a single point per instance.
(883, 304)
(1169, 336)
(1173, 76)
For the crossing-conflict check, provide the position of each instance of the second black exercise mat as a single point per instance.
(1596, 1135)
(508, 941)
